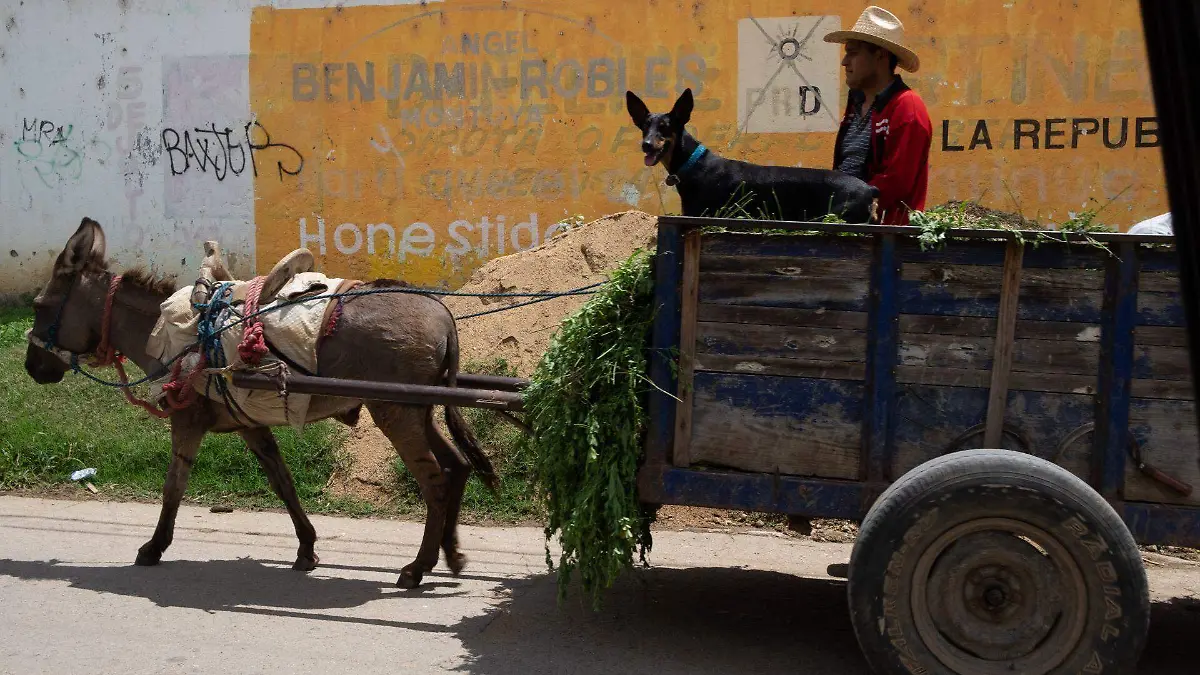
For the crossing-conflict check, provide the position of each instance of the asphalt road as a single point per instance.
(224, 600)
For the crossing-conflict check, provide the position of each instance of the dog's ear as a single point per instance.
(637, 109)
(682, 112)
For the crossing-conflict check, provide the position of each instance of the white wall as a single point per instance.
(88, 87)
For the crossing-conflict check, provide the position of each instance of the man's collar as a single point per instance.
(894, 87)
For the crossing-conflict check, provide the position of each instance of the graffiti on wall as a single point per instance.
(56, 152)
(441, 136)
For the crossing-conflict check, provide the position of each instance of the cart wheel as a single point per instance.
(993, 561)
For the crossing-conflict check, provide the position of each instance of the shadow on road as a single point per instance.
(661, 621)
(666, 621)
(243, 585)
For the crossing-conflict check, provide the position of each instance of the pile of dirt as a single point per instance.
(579, 257)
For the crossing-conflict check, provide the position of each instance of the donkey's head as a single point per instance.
(661, 132)
(68, 311)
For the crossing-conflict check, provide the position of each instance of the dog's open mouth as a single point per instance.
(653, 156)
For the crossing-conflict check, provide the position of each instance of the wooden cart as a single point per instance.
(1008, 416)
(847, 373)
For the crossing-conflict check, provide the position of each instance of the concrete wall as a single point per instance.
(421, 139)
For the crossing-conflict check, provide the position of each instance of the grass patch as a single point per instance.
(48, 431)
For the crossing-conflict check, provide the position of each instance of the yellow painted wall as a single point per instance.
(436, 136)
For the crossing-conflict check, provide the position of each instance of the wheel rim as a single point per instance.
(998, 595)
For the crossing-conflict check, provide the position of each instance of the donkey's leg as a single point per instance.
(458, 471)
(404, 427)
(262, 443)
(187, 430)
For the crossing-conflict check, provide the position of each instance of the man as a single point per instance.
(885, 135)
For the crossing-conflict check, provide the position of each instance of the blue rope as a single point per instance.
(218, 307)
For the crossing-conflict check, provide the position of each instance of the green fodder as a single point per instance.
(586, 408)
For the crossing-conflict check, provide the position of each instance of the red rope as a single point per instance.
(179, 392)
(106, 354)
(253, 345)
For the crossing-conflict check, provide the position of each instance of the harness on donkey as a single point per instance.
(283, 317)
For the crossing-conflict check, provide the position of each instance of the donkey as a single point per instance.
(390, 337)
(708, 183)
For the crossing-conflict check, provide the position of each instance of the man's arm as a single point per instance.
(904, 152)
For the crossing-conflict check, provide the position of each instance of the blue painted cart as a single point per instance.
(840, 371)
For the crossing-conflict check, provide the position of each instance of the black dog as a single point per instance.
(710, 185)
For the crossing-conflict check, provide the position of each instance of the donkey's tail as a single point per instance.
(459, 429)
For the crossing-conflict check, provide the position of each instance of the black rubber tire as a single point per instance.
(967, 486)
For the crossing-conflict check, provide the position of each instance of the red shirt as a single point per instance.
(898, 156)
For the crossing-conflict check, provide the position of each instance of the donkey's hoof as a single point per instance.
(148, 556)
(456, 562)
(409, 578)
(306, 564)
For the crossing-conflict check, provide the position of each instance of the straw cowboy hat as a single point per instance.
(880, 27)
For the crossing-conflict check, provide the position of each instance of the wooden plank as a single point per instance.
(1002, 352)
(789, 425)
(1159, 281)
(795, 246)
(972, 326)
(785, 266)
(984, 278)
(1167, 434)
(959, 377)
(1116, 373)
(930, 419)
(782, 316)
(1160, 309)
(797, 342)
(882, 354)
(664, 340)
(975, 353)
(1177, 390)
(1166, 336)
(945, 351)
(1046, 254)
(767, 365)
(1152, 362)
(743, 289)
(938, 299)
(687, 346)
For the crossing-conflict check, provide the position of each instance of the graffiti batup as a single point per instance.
(223, 153)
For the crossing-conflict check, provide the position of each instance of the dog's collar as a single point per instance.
(673, 179)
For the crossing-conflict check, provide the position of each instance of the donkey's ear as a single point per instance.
(637, 109)
(86, 246)
(682, 112)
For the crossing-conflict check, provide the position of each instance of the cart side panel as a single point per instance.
(1162, 416)
(949, 301)
(934, 420)
(779, 355)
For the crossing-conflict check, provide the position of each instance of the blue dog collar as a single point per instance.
(673, 179)
(696, 155)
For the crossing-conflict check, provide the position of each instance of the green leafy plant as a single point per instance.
(585, 406)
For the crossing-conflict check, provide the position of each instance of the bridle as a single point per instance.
(104, 354)
(179, 393)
